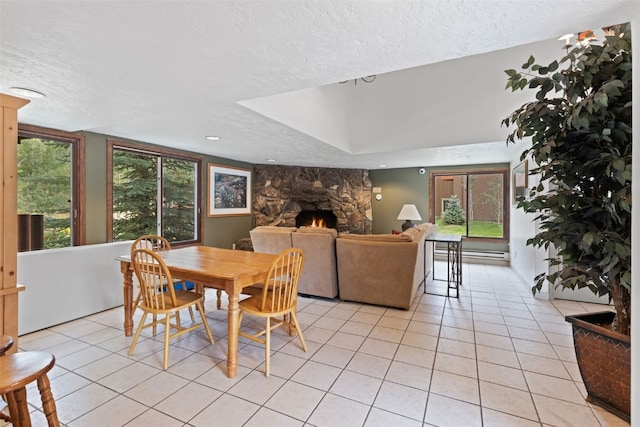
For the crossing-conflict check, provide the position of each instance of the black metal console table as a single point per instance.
(454, 261)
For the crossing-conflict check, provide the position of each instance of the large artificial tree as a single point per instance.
(580, 130)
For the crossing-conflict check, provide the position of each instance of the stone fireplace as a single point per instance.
(281, 193)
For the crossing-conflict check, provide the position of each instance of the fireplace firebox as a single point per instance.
(317, 218)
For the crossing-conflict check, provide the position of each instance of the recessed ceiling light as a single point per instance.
(213, 138)
(382, 166)
(271, 160)
(29, 93)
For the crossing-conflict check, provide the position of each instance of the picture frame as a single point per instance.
(229, 191)
(520, 181)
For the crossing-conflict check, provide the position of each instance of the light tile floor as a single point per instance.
(494, 357)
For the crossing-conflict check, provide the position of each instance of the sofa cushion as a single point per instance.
(318, 230)
(319, 274)
(271, 240)
(391, 238)
(411, 233)
(275, 228)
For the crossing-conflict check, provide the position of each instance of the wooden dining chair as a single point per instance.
(278, 301)
(157, 243)
(160, 300)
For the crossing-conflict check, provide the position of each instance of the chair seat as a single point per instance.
(183, 285)
(255, 289)
(184, 299)
(253, 305)
(19, 369)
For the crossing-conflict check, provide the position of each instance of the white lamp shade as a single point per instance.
(409, 212)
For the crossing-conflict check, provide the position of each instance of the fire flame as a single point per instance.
(318, 222)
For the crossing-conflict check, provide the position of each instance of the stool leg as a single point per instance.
(18, 409)
(4, 416)
(48, 404)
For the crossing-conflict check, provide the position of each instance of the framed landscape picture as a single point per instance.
(229, 191)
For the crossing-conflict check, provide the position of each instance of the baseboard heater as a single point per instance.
(477, 256)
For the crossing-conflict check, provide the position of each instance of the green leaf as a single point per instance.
(587, 239)
(619, 165)
(601, 98)
(511, 73)
(581, 122)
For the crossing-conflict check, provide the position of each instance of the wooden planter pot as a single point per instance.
(604, 359)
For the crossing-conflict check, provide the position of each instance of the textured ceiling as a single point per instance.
(263, 75)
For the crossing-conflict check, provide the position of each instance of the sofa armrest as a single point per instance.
(319, 276)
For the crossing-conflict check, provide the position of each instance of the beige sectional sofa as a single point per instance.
(384, 269)
(381, 269)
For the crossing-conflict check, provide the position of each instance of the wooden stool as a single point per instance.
(6, 341)
(16, 371)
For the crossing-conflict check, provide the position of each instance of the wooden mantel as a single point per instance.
(9, 287)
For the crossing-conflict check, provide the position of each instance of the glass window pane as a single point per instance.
(486, 210)
(179, 199)
(450, 204)
(45, 188)
(135, 195)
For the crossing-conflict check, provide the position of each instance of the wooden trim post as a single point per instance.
(9, 288)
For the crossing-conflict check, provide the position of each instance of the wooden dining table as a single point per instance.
(222, 269)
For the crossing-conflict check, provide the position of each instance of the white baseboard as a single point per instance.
(477, 257)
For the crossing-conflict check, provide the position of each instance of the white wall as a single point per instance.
(526, 261)
(68, 283)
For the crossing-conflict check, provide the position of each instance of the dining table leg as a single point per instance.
(233, 317)
(127, 289)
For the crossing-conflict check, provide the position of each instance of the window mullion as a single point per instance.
(466, 207)
(159, 197)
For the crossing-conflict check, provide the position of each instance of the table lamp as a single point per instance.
(409, 213)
